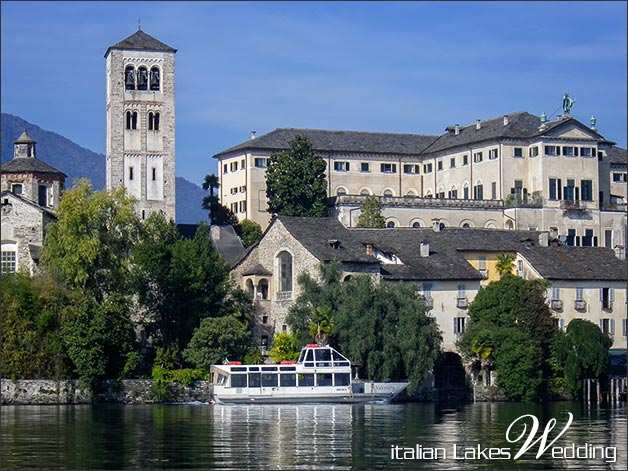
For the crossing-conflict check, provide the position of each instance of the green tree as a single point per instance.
(511, 328)
(371, 214)
(251, 232)
(582, 352)
(211, 201)
(217, 339)
(382, 327)
(295, 181)
(285, 347)
(505, 263)
(88, 246)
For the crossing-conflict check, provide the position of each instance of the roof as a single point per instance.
(24, 139)
(521, 125)
(141, 41)
(338, 141)
(618, 155)
(227, 243)
(29, 165)
(327, 239)
(9, 194)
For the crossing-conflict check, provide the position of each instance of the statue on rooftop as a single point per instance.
(567, 104)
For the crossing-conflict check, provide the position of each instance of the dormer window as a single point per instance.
(154, 79)
(129, 78)
(17, 188)
(142, 78)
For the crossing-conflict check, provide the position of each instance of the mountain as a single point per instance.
(78, 162)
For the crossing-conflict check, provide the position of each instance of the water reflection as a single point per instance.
(292, 437)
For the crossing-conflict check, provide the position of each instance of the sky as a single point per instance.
(402, 67)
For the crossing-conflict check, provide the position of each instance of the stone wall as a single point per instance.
(132, 391)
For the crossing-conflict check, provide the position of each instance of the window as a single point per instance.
(130, 173)
(439, 165)
(233, 166)
(288, 379)
(570, 151)
(243, 189)
(341, 191)
(555, 189)
(492, 154)
(624, 327)
(154, 79)
(342, 379)
(154, 173)
(364, 167)
(459, 324)
(534, 151)
(242, 164)
(579, 294)
(416, 224)
(465, 160)
(341, 166)
(588, 240)
(465, 192)
(478, 192)
(462, 291)
(410, 168)
(552, 150)
(234, 190)
(42, 195)
(607, 296)
(518, 152)
(482, 262)
(365, 192)
(388, 192)
(452, 162)
(388, 168)
(264, 319)
(571, 237)
(390, 224)
(225, 168)
(234, 207)
(619, 177)
(477, 157)
(555, 294)
(153, 121)
(131, 120)
(452, 194)
(426, 289)
(427, 168)
(607, 326)
(142, 78)
(9, 258)
(494, 190)
(306, 379)
(587, 151)
(285, 271)
(586, 190)
(608, 238)
(261, 162)
(243, 206)
(17, 188)
(129, 78)
(440, 194)
(569, 190)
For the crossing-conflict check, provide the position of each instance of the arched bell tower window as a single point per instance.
(129, 77)
(285, 271)
(153, 121)
(142, 78)
(154, 79)
(131, 120)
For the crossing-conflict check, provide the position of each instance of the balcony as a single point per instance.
(283, 296)
(428, 301)
(557, 304)
(580, 304)
(419, 202)
(462, 303)
(573, 205)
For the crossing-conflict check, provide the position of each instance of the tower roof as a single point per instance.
(24, 139)
(141, 41)
(21, 165)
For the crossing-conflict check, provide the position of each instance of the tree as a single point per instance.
(505, 263)
(211, 201)
(285, 347)
(88, 247)
(582, 352)
(217, 339)
(251, 232)
(295, 181)
(371, 215)
(511, 329)
(382, 327)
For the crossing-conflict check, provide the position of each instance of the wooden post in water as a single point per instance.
(598, 390)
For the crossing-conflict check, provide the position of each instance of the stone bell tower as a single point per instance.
(140, 122)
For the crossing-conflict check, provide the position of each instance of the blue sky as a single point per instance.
(407, 67)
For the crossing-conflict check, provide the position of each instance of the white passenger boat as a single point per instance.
(321, 374)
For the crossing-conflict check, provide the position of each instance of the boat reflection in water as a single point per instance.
(320, 375)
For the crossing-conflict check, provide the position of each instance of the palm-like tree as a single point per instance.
(505, 264)
(210, 202)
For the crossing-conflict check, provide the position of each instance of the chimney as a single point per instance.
(505, 120)
(457, 129)
(425, 249)
(544, 239)
(252, 135)
(369, 249)
(436, 224)
(478, 125)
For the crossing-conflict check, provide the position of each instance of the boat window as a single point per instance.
(342, 379)
(254, 380)
(337, 356)
(323, 357)
(301, 357)
(221, 379)
(253, 368)
(238, 368)
(310, 355)
(288, 368)
(269, 379)
(269, 368)
(323, 379)
(306, 380)
(288, 379)
(238, 381)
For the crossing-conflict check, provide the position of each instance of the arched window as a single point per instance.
(131, 120)
(154, 79)
(341, 191)
(262, 289)
(142, 78)
(390, 224)
(410, 193)
(129, 78)
(285, 271)
(365, 192)
(388, 192)
(416, 224)
(153, 121)
(250, 288)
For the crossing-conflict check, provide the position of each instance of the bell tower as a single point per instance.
(140, 148)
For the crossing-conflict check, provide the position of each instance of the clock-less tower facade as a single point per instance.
(140, 149)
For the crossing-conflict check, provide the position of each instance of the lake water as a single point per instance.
(366, 436)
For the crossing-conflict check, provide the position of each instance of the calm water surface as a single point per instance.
(296, 437)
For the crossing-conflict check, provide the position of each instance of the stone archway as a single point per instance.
(450, 378)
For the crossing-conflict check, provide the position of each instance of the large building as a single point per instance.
(518, 171)
(31, 190)
(140, 133)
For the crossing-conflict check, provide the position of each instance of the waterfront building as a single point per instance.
(30, 194)
(448, 266)
(140, 132)
(517, 171)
